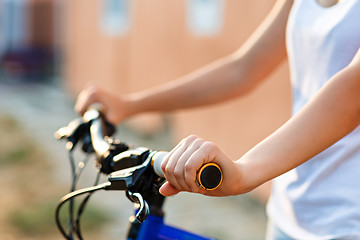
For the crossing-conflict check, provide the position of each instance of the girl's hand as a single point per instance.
(116, 108)
(183, 162)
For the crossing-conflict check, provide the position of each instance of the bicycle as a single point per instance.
(135, 171)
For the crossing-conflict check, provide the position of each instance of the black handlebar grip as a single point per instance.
(208, 177)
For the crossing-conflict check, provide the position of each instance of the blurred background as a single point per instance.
(50, 49)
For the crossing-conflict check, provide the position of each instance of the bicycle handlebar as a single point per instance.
(137, 171)
(208, 177)
(96, 132)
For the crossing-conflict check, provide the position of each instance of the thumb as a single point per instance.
(168, 190)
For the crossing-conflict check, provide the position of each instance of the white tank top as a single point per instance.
(321, 198)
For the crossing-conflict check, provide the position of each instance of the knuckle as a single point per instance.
(94, 90)
(178, 173)
(93, 87)
(198, 141)
(209, 146)
(167, 170)
(191, 138)
(188, 168)
(163, 166)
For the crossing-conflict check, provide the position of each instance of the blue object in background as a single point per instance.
(205, 17)
(115, 17)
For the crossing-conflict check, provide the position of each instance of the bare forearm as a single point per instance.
(331, 115)
(217, 82)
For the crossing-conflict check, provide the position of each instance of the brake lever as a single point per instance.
(123, 179)
(126, 179)
(144, 209)
(139, 182)
(73, 132)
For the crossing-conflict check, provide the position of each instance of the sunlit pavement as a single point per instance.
(43, 108)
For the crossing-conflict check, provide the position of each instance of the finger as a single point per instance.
(187, 181)
(173, 168)
(168, 190)
(87, 97)
(166, 160)
(172, 163)
(204, 154)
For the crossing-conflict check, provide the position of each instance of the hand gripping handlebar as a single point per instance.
(142, 181)
(208, 177)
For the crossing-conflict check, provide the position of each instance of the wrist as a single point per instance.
(136, 103)
(251, 176)
(130, 105)
(237, 179)
(118, 108)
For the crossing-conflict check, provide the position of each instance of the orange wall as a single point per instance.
(159, 47)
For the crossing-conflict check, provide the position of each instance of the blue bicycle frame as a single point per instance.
(154, 228)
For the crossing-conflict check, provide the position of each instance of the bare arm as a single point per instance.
(330, 115)
(224, 79)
